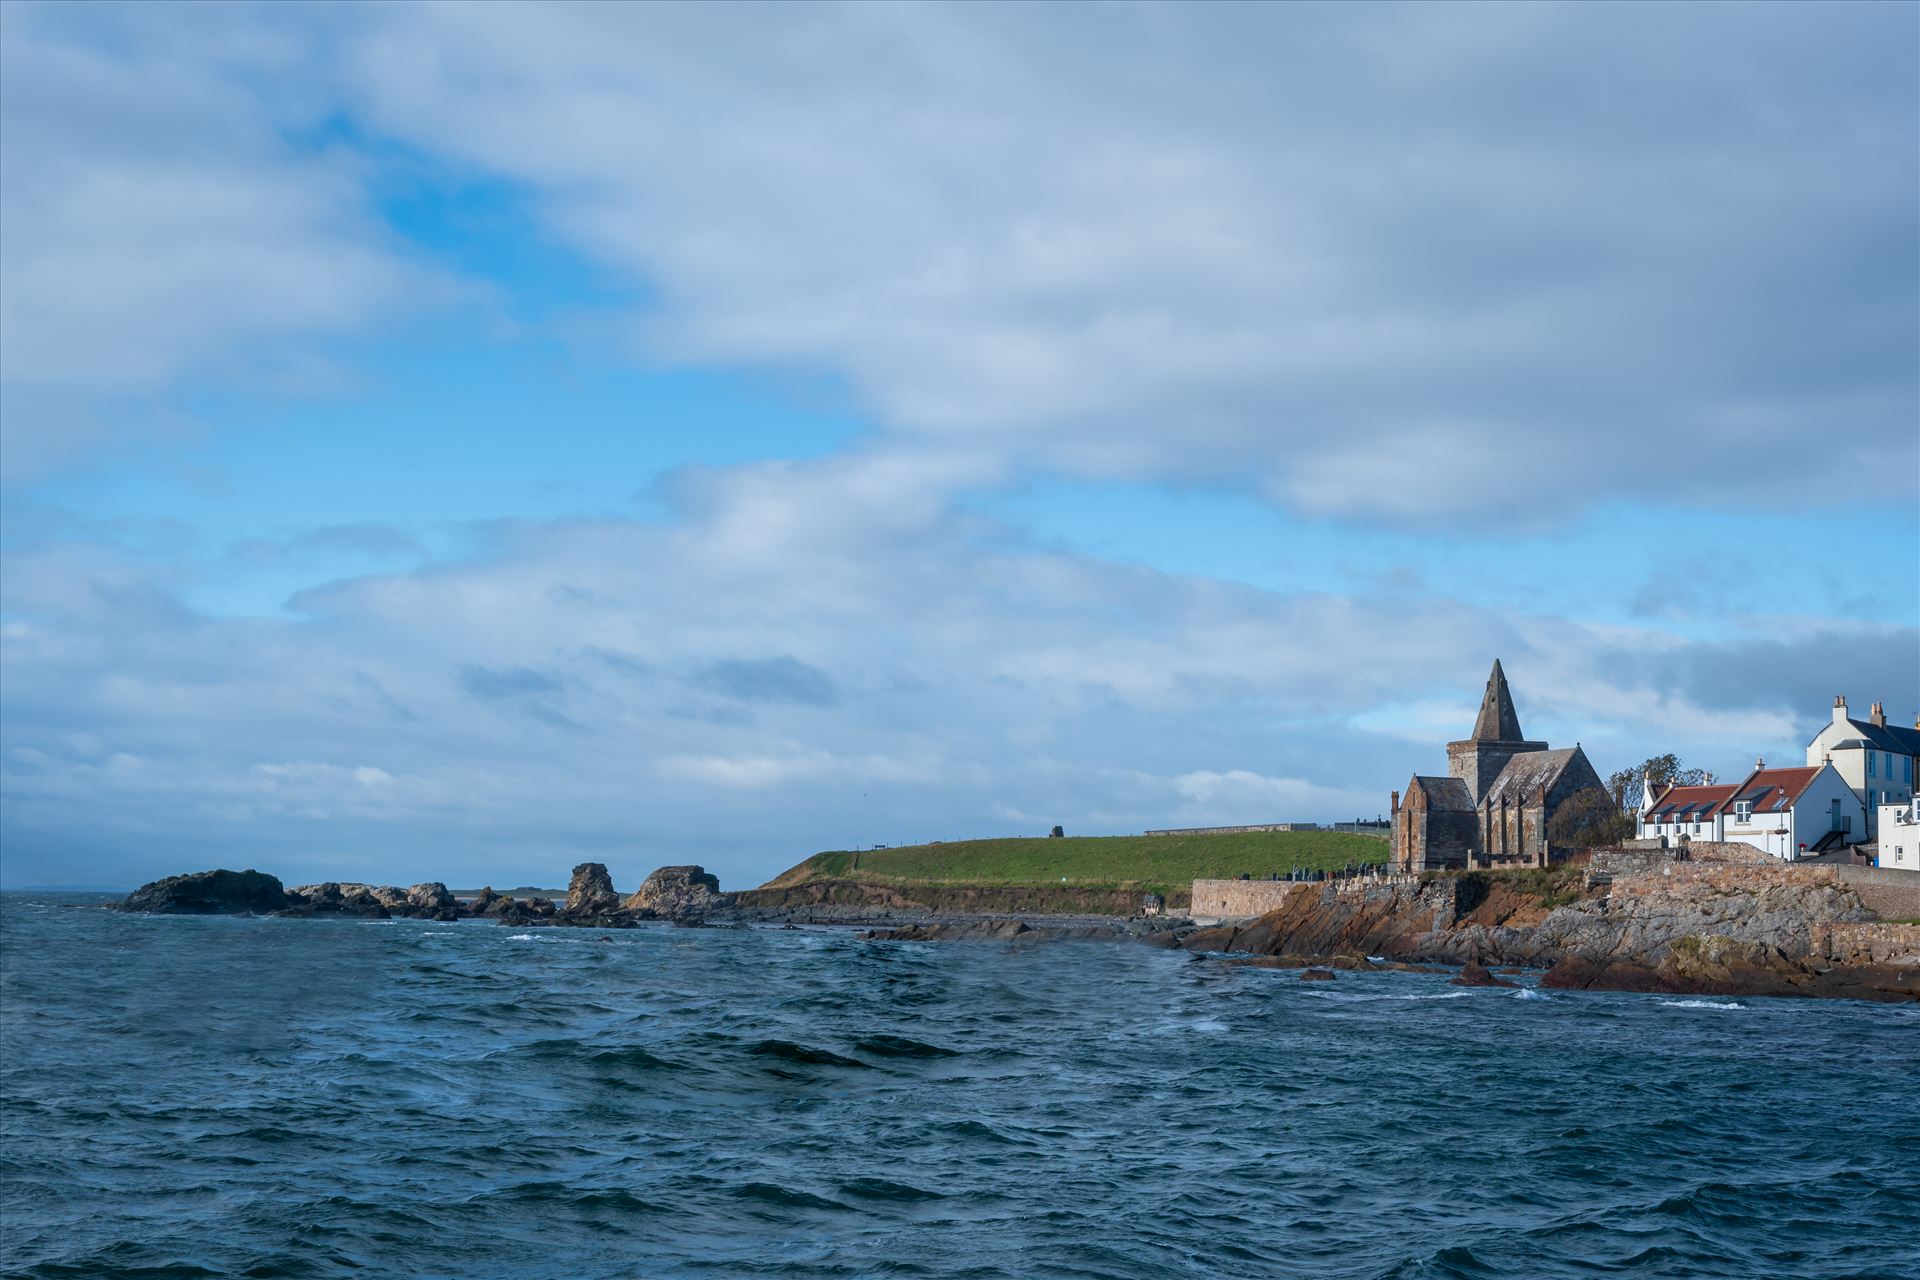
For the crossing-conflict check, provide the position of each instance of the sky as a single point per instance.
(456, 442)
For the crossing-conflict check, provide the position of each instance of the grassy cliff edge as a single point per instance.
(1145, 864)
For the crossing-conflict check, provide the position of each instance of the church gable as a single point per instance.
(1442, 794)
(1501, 793)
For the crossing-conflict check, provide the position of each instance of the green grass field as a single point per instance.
(1153, 864)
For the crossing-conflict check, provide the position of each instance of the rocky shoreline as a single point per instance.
(1699, 929)
(684, 894)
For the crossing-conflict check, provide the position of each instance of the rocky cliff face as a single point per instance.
(1761, 930)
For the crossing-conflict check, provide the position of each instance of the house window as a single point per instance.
(1908, 769)
(1871, 764)
(1743, 811)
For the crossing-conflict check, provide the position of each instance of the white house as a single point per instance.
(1680, 814)
(1877, 759)
(1899, 836)
(1792, 812)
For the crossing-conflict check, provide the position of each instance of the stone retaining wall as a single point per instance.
(1215, 900)
(1868, 943)
(1888, 892)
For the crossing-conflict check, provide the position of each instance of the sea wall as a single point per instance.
(1897, 944)
(1888, 892)
(1635, 857)
(1216, 900)
(858, 900)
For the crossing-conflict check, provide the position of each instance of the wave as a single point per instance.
(902, 1047)
(773, 1193)
(884, 1189)
(1700, 1004)
(789, 1051)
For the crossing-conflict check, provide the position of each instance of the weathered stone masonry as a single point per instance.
(1494, 805)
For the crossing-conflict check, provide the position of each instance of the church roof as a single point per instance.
(1445, 793)
(1528, 772)
(1498, 721)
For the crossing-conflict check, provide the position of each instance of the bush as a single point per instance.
(1588, 820)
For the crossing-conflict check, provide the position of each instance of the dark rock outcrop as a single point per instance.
(333, 898)
(226, 893)
(1732, 967)
(1474, 974)
(676, 893)
(1316, 975)
(590, 892)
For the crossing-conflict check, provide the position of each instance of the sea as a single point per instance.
(192, 1096)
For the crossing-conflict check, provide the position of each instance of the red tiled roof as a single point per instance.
(1698, 802)
(1772, 790)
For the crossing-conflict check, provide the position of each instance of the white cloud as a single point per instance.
(1431, 263)
(473, 719)
(162, 226)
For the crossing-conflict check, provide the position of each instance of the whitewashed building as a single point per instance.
(1680, 815)
(1790, 813)
(1899, 841)
(1876, 759)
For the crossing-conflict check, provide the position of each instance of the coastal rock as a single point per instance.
(219, 892)
(333, 898)
(590, 892)
(1707, 965)
(489, 903)
(1473, 974)
(676, 893)
(1316, 975)
(431, 901)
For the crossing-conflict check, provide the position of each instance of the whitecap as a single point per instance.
(1528, 993)
(1209, 1025)
(1701, 1004)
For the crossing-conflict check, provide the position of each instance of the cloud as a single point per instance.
(462, 719)
(781, 679)
(496, 684)
(1428, 264)
(166, 224)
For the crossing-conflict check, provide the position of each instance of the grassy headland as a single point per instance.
(1150, 864)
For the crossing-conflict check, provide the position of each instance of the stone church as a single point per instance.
(1499, 793)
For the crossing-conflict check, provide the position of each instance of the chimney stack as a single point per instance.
(1878, 716)
(1839, 708)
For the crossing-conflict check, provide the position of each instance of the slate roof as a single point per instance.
(1885, 737)
(1498, 721)
(1528, 772)
(1690, 804)
(1448, 794)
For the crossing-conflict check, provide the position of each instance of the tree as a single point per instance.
(1650, 777)
(1588, 820)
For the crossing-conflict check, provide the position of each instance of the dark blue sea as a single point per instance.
(237, 1097)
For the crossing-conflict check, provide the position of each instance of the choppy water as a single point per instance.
(198, 1097)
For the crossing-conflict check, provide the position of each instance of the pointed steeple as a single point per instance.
(1498, 721)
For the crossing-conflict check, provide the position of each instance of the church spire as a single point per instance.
(1498, 721)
